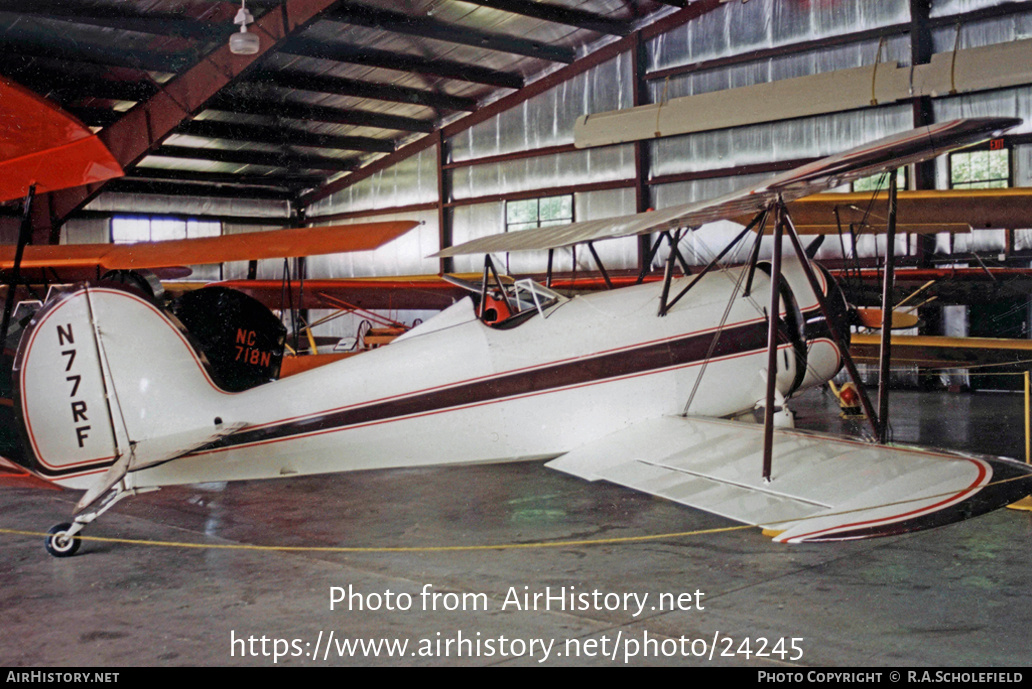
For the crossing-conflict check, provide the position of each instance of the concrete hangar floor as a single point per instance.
(955, 596)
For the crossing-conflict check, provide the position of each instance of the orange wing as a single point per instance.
(250, 246)
(43, 145)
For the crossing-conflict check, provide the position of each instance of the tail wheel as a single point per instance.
(59, 544)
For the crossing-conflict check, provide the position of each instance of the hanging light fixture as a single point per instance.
(243, 43)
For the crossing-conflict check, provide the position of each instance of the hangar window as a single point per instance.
(126, 229)
(542, 212)
(881, 181)
(986, 169)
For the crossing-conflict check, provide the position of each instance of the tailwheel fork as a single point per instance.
(63, 539)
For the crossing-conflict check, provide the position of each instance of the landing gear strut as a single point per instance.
(63, 539)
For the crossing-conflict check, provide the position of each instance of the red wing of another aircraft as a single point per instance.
(43, 145)
(249, 246)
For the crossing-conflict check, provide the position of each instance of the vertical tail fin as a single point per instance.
(103, 377)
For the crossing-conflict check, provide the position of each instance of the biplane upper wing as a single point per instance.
(885, 154)
(823, 488)
(248, 246)
(43, 145)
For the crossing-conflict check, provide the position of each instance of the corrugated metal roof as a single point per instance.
(373, 71)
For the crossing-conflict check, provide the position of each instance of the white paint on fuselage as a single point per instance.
(532, 425)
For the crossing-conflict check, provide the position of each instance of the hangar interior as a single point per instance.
(462, 115)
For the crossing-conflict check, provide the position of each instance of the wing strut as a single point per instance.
(815, 285)
(885, 353)
(772, 337)
(665, 307)
(668, 272)
(754, 255)
(601, 268)
(783, 225)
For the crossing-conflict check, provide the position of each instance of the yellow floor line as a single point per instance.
(389, 549)
(496, 546)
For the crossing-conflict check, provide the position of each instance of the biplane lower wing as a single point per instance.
(823, 488)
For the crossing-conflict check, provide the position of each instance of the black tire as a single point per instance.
(61, 547)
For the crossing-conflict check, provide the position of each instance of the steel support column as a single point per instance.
(444, 224)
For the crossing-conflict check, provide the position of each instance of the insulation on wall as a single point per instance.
(411, 181)
(807, 137)
(737, 28)
(406, 255)
(895, 49)
(547, 119)
(86, 231)
(158, 204)
(543, 172)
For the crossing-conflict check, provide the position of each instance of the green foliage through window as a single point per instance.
(980, 169)
(878, 182)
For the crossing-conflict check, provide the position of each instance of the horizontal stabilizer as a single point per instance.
(154, 451)
(822, 487)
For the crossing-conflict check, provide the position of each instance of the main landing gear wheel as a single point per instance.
(59, 544)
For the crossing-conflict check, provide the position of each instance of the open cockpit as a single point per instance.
(504, 303)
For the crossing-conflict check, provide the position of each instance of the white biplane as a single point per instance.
(632, 385)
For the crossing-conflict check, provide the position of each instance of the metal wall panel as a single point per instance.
(406, 255)
(737, 28)
(976, 34)
(156, 204)
(763, 143)
(1015, 102)
(83, 231)
(944, 8)
(547, 119)
(411, 181)
(543, 172)
(894, 50)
